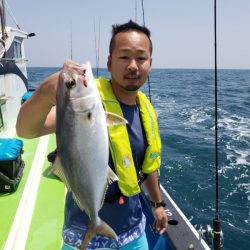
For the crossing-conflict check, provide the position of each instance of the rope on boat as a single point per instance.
(12, 15)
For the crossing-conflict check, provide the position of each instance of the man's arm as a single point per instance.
(37, 115)
(161, 219)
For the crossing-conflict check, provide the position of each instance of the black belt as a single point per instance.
(119, 196)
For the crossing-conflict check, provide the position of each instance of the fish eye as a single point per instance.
(70, 83)
(89, 115)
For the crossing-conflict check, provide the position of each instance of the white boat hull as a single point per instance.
(13, 81)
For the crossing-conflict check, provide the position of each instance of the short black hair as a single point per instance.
(130, 25)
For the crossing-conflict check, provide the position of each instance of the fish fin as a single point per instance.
(114, 119)
(103, 228)
(58, 171)
(50, 170)
(112, 177)
(51, 173)
(77, 201)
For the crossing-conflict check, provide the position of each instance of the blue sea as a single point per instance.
(184, 102)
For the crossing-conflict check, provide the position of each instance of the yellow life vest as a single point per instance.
(119, 140)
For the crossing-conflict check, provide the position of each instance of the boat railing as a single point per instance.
(16, 60)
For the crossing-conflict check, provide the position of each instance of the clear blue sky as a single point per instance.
(182, 30)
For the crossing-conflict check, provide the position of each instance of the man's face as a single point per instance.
(130, 61)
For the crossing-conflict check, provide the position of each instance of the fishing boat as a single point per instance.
(13, 74)
(32, 212)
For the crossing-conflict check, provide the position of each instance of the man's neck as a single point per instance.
(124, 96)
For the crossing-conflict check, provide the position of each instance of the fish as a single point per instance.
(83, 145)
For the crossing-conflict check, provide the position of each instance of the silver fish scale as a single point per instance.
(82, 142)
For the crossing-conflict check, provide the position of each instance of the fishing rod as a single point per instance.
(71, 49)
(136, 11)
(214, 237)
(143, 17)
(217, 233)
(97, 47)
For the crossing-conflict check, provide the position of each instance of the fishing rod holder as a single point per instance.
(207, 235)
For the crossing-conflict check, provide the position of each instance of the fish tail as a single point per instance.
(102, 228)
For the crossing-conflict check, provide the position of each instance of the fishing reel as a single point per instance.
(209, 236)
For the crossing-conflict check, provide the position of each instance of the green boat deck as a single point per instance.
(32, 217)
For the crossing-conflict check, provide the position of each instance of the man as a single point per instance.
(129, 63)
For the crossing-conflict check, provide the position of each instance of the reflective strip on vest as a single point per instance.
(119, 140)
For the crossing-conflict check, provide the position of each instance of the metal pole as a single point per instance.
(3, 20)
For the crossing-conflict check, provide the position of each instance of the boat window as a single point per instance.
(17, 50)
